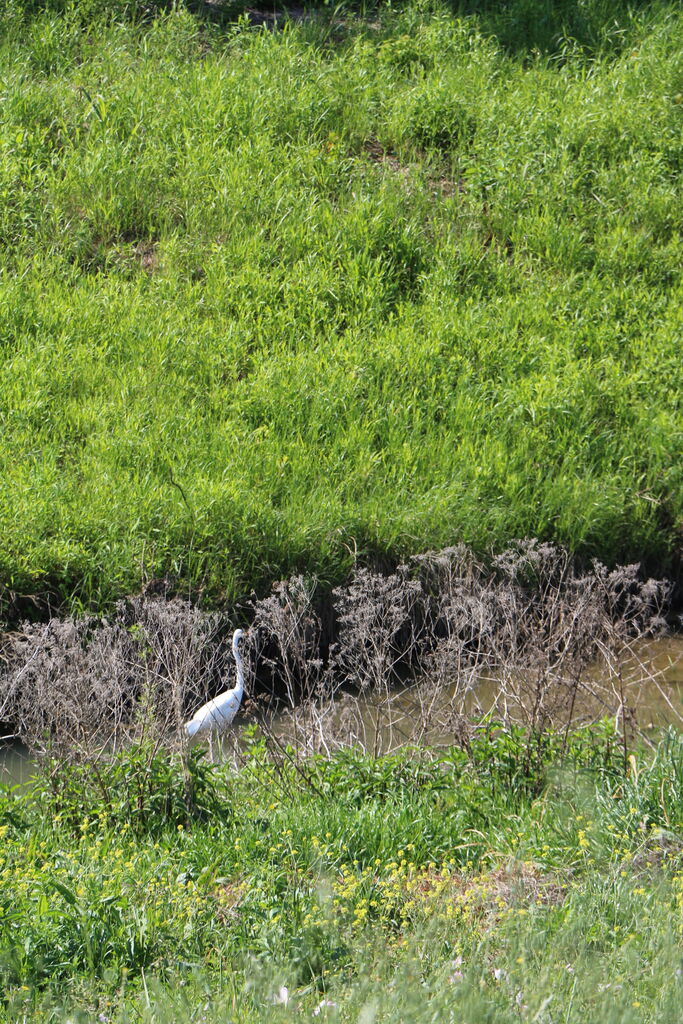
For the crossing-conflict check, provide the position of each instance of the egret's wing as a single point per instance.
(226, 707)
(218, 713)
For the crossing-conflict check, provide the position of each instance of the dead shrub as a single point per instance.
(74, 686)
(423, 655)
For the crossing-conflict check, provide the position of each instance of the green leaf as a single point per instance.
(68, 894)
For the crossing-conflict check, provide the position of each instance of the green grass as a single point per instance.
(411, 888)
(269, 300)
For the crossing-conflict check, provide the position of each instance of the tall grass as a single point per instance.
(271, 300)
(451, 887)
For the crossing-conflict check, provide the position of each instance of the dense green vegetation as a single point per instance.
(364, 285)
(377, 281)
(478, 886)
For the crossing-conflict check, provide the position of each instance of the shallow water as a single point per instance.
(645, 688)
(649, 683)
(16, 766)
(659, 698)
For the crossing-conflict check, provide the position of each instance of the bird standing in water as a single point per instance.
(219, 712)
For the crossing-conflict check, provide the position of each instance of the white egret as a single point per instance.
(219, 712)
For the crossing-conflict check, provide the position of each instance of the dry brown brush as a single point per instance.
(421, 655)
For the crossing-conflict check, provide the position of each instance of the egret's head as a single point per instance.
(236, 637)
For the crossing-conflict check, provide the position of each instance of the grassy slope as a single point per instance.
(364, 895)
(209, 278)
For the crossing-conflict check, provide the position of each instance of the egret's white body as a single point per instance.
(219, 712)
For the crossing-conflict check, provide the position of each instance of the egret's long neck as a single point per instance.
(239, 689)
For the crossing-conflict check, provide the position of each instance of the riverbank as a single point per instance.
(436, 299)
(444, 643)
(458, 884)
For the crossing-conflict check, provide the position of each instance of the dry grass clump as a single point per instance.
(78, 685)
(487, 895)
(528, 639)
(419, 655)
(527, 635)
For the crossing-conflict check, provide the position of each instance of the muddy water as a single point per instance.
(15, 764)
(645, 689)
(653, 683)
(648, 684)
